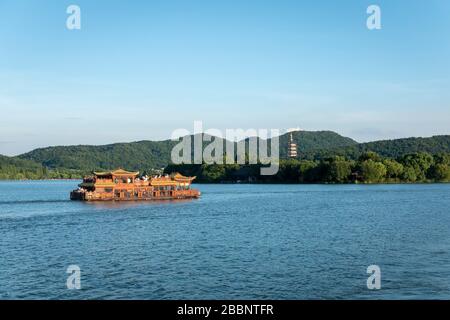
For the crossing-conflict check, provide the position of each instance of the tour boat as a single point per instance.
(121, 185)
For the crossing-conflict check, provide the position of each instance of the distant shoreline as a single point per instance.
(325, 157)
(260, 183)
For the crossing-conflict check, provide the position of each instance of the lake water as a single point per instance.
(236, 242)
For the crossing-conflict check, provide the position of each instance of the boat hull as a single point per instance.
(173, 195)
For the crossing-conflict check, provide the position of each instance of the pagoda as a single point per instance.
(292, 147)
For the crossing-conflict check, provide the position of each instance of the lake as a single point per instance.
(235, 242)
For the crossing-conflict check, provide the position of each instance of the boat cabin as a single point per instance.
(126, 185)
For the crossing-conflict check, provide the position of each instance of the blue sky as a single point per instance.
(140, 69)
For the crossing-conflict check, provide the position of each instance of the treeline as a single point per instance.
(15, 173)
(19, 169)
(387, 148)
(370, 167)
(312, 145)
(157, 154)
(132, 156)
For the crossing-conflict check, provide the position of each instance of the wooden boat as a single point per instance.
(121, 185)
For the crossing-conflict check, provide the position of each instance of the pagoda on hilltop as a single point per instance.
(292, 148)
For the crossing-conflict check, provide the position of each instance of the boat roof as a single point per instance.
(179, 177)
(117, 172)
(173, 179)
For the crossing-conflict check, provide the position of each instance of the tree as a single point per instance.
(337, 169)
(372, 171)
(409, 174)
(213, 172)
(289, 171)
(307, 171)
(394, 170)
(420, 162)
(369, 155)
(439, 172)
(443, 158)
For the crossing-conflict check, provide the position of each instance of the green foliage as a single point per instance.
(12, 168)
(311, 142)
(370, 155)
(443, 158)
(312, 145)
(289, 171)
(419, 162)
(132, 156)
(324, 156)
(394, 169)
(439, 172)
(394, 149)
(156, 154)
(212, 172)
(337, 169)
(409, 174)
(373, 171)
(332, 170)
(308, 170)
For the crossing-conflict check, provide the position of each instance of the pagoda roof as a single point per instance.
(117, 172)
(179, 177)
(171, 180)
(163, 182)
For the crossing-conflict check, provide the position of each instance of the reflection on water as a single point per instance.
(133, 204)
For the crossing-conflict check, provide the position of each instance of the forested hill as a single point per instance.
(156, 154)
(15, 168)
(74, 161)
(132, 156)
(386, 148)
(19, 168)
(312, 141)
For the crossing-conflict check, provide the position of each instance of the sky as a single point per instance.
(138, 70)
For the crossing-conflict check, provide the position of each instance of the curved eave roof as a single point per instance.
(179, 177)
(118, 172)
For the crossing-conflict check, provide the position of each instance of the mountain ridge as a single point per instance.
(142, 155)
(156, 154)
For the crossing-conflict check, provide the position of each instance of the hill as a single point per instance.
(145, 155)
(386, 148)
(11, 167)
(74, 161)
(313, 141)
(133, 156)
(16, 168)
